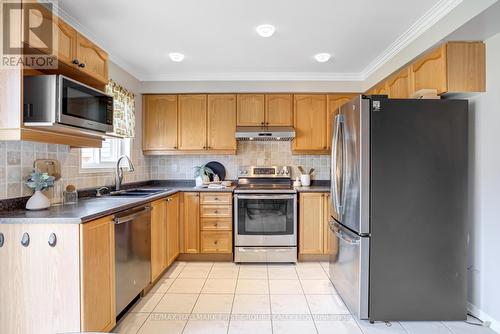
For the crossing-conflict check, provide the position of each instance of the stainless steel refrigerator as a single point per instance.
(399, 194)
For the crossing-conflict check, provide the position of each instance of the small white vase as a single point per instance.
(38, 201)
(199, 181)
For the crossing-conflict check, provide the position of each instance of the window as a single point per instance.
(105, 157)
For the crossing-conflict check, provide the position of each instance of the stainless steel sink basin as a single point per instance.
(136, 192)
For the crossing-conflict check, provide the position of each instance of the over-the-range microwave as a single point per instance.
(54, 100)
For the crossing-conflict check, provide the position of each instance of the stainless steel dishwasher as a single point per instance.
(133, 254)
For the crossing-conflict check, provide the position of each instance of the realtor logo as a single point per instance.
(28, 34)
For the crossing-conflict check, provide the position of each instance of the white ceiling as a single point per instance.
(219, 40)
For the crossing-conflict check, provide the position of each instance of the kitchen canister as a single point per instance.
(305, 179)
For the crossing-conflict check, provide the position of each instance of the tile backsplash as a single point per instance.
(17, 157)
(16, 164)
(249, 153)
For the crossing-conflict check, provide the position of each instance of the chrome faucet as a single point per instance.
(119, 171)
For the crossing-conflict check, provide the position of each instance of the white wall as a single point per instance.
(484, 191)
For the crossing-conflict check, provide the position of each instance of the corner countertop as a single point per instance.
(95, 207)
(313, 189)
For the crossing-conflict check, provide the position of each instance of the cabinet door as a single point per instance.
(310, 123)
(172, 228)
(192, 122)
(40, 284)
(221, 122)
(331, 244)
(64, 34)
(250, 109)
(311, 223)
(191, 222)
(379, 89)
(98, 275)
(160, 122)
(216, 242)
(400, 85)
(158, 238)
(279, 110)
(429, 72)
(92, 59)
(334, 102)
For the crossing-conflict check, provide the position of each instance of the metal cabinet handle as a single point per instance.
(2, 239)
(52, 240)
(216, 211)
(75, 61)
(216, 198)
(215, 224)
(82, 65)
(215, 242)
(25, 240)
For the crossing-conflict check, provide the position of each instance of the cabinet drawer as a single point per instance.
(216, 242)
(215, 211)
(216, 198)
(211, 224)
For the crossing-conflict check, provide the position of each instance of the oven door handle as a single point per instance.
(265, 196)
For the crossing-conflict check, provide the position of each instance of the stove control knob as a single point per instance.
(287, 172)
(245, 172)
(241, 172)
(282, 172)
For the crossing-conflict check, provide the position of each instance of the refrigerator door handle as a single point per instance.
(334, 227)
(335, 182)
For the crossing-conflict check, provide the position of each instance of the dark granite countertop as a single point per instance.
(91, 208)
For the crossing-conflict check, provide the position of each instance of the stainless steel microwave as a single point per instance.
(52, 100)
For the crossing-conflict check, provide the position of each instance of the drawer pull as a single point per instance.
(216, 198)
(25, 240)
(215, 225)
(52, 240)
(216, 211)
(216, 242)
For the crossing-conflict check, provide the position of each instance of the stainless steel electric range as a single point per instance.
(265, 211)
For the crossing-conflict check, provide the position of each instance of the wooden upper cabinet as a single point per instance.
(310, 123)
(429, 72)
(466, 66)
(221, 122)
(191, 222)
(250, 110)
(172, 228)
(66, 45)
(400, 85)
(452, 67)
(158, 238)
(279, 110)
(192, 124)
(97, 249)
(334, 102)
(311, 223)
(91, 59)
(379, 89)
(160, 123)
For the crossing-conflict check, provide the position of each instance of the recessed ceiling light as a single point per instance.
(176, 56)
(265, 30)
(322, 57)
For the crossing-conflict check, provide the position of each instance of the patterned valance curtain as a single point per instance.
(124, 110)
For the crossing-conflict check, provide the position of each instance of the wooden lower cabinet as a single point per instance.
(216, 242)
(191, 222)
(97, 253)
(315, 237)
(58, 284)
(172, 228)
(207, 222)
(158, 238)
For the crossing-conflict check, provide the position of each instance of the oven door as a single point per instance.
(265, 220)
(84, 106)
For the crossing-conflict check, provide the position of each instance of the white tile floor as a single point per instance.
(206, 297)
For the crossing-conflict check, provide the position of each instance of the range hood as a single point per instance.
(265, 133)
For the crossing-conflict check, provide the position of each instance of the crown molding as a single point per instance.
(436, 13)
(254, 76)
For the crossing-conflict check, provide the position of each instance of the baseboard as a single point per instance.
(477, 312)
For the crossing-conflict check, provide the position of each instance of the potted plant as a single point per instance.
(39, 182)
(202, 174)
